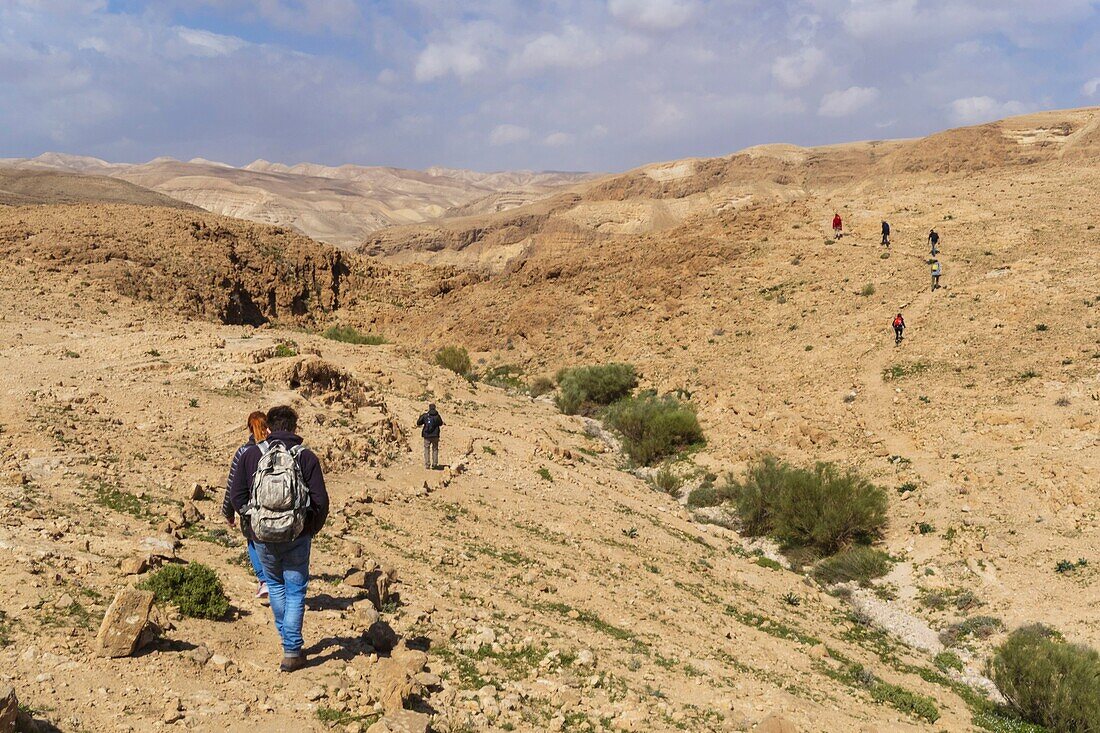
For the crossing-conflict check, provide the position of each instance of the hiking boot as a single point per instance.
(290, 664)
(261, 592)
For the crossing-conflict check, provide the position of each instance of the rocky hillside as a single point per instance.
(339, 205)
(720, 279)
(500, 610)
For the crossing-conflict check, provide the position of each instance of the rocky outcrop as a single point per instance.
(197, 264)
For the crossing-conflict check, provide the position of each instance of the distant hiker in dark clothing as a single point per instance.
(886, 234)
(431, 422)
(279, 490)
(937, 270)
(838, 227)
(934, 242)
(257, 427)
(899, 327)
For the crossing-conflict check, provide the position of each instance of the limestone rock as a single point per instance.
(393, 680)
(402, 721)
(123, 623)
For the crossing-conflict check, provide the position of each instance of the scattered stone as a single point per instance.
(586, 658)
(402, 721)
(159, 547)
(191, 513)
(220, 663)
(134, 565)
(123, 623)
(200, 654)
(316, 693)
(195, 493)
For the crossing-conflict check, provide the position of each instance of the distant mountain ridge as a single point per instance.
(339, 205)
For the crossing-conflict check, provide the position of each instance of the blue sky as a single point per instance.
(508, 84)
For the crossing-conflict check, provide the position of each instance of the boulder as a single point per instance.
(191, 513)
(9, 709)
(123, 623)
(134, 565)
(402, 721)
(393, 680)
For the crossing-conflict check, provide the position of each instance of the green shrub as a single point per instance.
(945, 661)
(540, 386)
(979, 627)
(868, 290)
(1047, 681)
(654, 427)
(351, 335)
(455, 358)
(284, 349)
(505, 376)
(194, 588)
(667, 482)
(585, 389)
(711, 495)
(859, 563)
(822, 508)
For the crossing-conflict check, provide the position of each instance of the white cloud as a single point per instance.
(973, 110)
(797, 70)
(441, 59)
(652, 15)
(572, 48)
(845, 102)
(508, 134)
(1090, 87)
(205, 43)
(558, 139)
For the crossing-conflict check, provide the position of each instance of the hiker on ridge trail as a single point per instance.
(937, 270)
(899, 327)
(280, 491)
(838, 227)
(431, 421)
(885, 233)
(934, 242)
(258, 432)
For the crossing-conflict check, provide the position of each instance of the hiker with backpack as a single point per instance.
(899, 328)
(279, 490)
(885, 233)
(838, 226)
(431, 421)
(934, 242)
(258, 432)
(937, 270)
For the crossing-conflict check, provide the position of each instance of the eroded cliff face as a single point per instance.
(201, 265)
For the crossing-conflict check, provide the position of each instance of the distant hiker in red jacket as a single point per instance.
(838, 226)
(899, 327)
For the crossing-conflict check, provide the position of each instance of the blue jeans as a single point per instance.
(257, 567)
(286, 567)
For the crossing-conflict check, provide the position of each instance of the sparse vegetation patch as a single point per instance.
(194, 588)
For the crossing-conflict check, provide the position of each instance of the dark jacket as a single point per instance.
(432, 422)
(227, 504)
(885, 228)
(241, 487)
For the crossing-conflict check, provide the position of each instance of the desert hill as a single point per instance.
(22, 187)
(550, 588)
(338, 205)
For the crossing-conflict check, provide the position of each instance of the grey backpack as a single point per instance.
(280, 497)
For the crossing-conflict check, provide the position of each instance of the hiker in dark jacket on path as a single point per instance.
(286, 564)
(431, 421)
(257, 427)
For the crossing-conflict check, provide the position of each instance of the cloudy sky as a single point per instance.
(544, 84)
